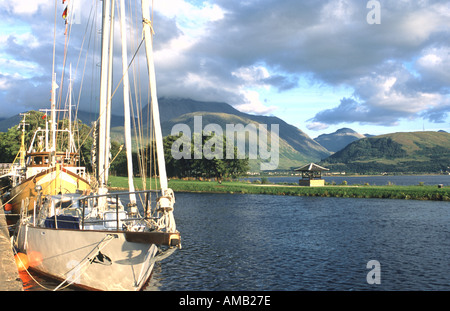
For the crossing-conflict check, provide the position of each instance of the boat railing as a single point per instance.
(114, 214)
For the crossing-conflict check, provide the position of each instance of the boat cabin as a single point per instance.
(37, 162)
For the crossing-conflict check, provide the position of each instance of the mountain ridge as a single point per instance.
(337, 140)
(295, 148)
(401, 152)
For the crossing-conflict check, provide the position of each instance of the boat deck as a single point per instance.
(9, 276)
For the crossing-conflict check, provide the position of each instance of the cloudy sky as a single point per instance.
(319, 65)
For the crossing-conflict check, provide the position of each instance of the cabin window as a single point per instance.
(37, 160)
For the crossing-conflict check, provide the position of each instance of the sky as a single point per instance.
(374, 66)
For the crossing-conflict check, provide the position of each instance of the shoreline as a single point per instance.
(433, 193)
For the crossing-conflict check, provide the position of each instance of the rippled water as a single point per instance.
(260, 242)
(263, 242)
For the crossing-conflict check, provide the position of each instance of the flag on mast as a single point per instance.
(64, 15)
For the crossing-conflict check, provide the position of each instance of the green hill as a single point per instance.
(411, 152)
(296, 148)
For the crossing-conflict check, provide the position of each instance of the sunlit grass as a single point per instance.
(419, 192)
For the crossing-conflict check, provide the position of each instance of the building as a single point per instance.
(311, 175)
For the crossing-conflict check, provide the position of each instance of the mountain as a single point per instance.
(410, 152)
(7, 123)
(336, 141)
(170, 108)
(84, 116)
(295, 147)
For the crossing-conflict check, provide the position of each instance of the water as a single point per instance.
(399, 180)
(278, 243)
(260, 242)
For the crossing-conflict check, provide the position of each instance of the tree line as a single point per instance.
(217, 166)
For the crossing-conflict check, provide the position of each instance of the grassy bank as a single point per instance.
(362, 191)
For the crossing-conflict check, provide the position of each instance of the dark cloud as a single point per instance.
(397, 69)
(332, 42)
(350, 110)
(437, 114)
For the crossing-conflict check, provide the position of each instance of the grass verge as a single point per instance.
(418, 192)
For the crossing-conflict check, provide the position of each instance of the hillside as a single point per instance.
(414, 152)
(295, 147)
(222, 114)
(336, 141)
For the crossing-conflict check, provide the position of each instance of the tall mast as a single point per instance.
(53, 113)
(70, 109)
(53, 95)
(103, 148)
(126, 101)
(109, 92)
(148, 32)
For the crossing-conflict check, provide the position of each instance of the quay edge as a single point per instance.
(9, 275)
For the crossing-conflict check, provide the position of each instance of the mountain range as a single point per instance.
(344, 149)
(295, 147)
(338, 140)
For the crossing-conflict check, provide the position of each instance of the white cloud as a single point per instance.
(252, 75)
(189, 17)
(317, 126)
(4, 82)
(253, 103)
(25, 7)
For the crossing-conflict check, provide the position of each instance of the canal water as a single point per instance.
(242, 242)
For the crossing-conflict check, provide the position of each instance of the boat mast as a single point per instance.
(71, 143)
(22, 151)
(109, 92)
(126, 102)
(103, 148)
(148, 33)
(53, 113)
(53, 97)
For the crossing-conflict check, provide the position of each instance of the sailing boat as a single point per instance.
(104, 241)
(43, 164)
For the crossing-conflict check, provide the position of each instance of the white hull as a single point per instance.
(95, 260)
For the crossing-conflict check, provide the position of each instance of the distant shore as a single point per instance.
(418, 192)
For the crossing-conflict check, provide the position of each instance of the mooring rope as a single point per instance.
(82, 264)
